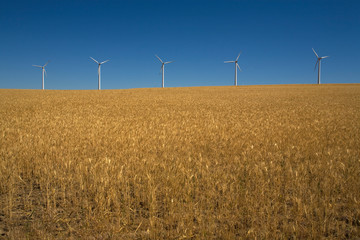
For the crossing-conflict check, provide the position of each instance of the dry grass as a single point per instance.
(265, 162)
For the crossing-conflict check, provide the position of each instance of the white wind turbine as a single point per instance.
(318, 62)
(43, 74)
(163, 69)
(236, 67)
(99, 65)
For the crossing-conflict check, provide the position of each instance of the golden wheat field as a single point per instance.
(250, 162)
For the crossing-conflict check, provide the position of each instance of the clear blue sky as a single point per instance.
(275, 38)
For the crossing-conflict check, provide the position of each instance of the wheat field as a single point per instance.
(249, 162)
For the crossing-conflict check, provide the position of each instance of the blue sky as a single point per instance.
(275, 37)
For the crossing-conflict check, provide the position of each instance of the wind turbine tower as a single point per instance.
(236, 67)
(99, 76)
(163, 69)
(43, 74)
(318, 62)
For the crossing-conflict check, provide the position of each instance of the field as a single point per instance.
(264, 162)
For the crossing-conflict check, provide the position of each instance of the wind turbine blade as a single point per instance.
(46, 63)
(37, 66)
(94, 60)
(168, 62)
(324, 57)
(316, 65)
(162, 66)
(229, 61)
(315, 53)
(239, 67)
(159, 58)
(238, 56)
(104, 61)
(45, 72)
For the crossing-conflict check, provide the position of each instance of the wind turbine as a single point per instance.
(163, 69)
(318, 62)
(43, 73)
(99, 66)
(236, 67)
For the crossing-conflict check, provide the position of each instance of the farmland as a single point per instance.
(266, 162)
